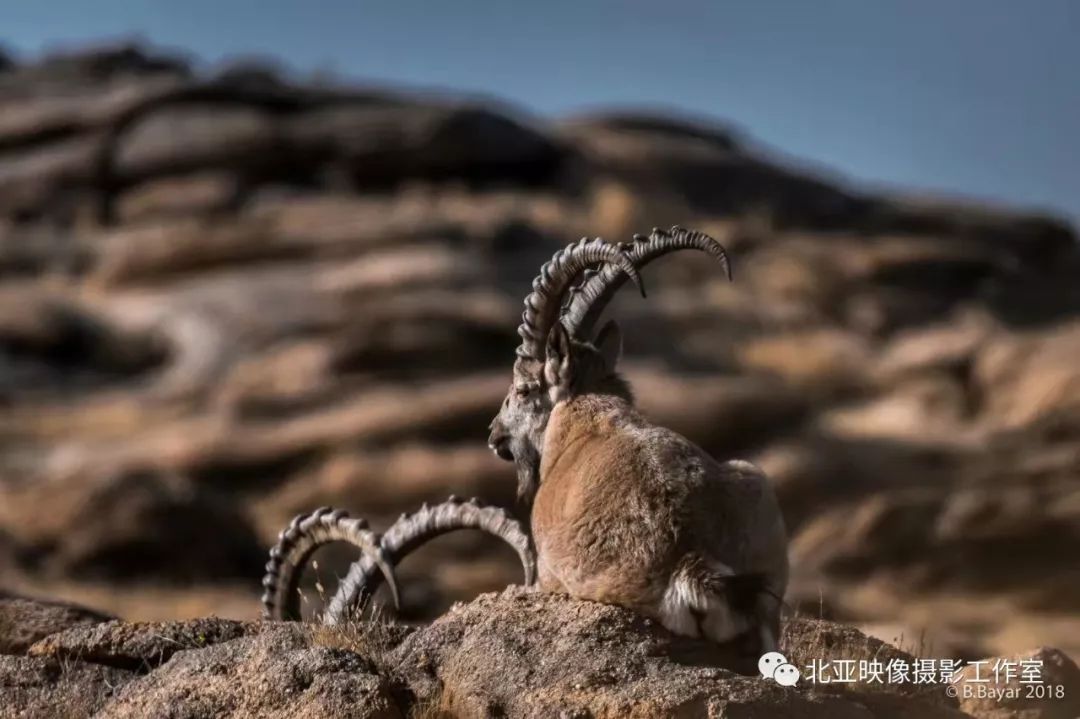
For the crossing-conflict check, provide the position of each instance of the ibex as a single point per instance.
(622, 511)
(625, 512)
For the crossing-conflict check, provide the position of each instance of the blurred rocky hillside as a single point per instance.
(228, 297)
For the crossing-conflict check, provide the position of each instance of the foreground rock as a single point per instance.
(277, 674)
(43, 688)
(520, 654)
(139, 646)
(24, 621)
(512, 654)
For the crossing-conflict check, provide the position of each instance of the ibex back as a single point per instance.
(633, 514)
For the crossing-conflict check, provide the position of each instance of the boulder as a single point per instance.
(527, 654)
(24, 621)
(139, 646)
(276, 674)
(35, 687)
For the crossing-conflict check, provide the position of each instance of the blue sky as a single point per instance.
(973, 97)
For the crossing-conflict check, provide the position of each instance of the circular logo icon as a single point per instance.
(786, 675)
(769, 662)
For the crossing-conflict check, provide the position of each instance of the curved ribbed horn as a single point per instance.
(543, 304)
(588, 301)
(413, 530)
(305, 534)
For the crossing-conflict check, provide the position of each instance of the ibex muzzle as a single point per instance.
(499, 441)
(516, 434)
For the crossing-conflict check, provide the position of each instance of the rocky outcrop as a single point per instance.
(277, 674)
(512, 654)
(228, 297)
(138, 646)
(23, 621)
(521, 654)
(42, 688)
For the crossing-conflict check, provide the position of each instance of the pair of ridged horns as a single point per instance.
(619, 262)
(379, 554)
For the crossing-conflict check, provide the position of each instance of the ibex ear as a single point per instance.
(609, 343)
(559, 363)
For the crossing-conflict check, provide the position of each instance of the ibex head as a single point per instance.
(518, 429)
(557, 355)
(517, 432)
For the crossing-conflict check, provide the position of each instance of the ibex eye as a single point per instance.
(523, 391)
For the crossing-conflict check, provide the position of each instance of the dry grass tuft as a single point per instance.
(369, 638)
(437, 706)
(372, 637)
